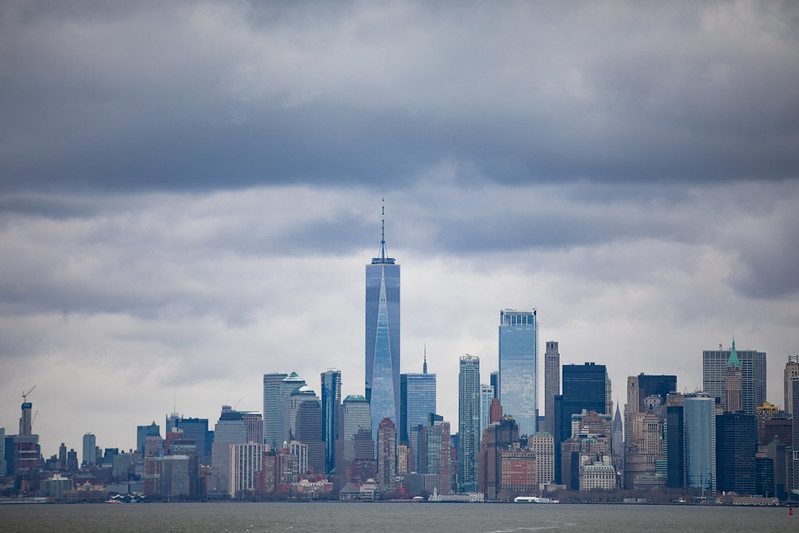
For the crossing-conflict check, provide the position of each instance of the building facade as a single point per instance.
(273, 409)
(331, 406)
(791, 372)
(753, 376)
(700, 442)
(518, 371)
(382, 366)
(551, 383)
(468, 421)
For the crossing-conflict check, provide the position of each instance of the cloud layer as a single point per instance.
(189, 193)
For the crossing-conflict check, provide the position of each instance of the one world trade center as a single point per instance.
(383, 337)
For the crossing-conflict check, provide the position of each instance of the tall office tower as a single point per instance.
(468, 421)
(551, 382)
(584, 387)
(354, 445)
(700, 442)
(196, 429)
(89, 449)
(331, 405)
(791, 372)
(288, 387)
(486, 397)
(753, 376)
(795, 445)
(641, 387)
(494, 381)
(418, 400)
(273, 409)
(673, 447)
(543, 445)
(296, 399)
(383, 337)
(736, 446)
(518, 371)
(733, 384)
(229, 429)
(386, 454)
(308, 430)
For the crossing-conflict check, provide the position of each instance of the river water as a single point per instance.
(393, 517)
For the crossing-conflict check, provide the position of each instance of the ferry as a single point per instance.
(533, 499)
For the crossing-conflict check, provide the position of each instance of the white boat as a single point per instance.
(533, 499)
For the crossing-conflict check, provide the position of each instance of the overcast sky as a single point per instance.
(189, 193)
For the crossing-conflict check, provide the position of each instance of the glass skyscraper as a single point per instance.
(518, 372)
(468, 422)
(331, 404)
(382, 374)
(700, 442)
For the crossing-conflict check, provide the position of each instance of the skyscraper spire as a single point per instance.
(424, 366)
(733, 360)
(382, 255)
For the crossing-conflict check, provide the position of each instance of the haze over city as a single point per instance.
(189, 193)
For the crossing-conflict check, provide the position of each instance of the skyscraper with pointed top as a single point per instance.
(382, 375)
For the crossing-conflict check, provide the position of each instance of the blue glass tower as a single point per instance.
(700, 442)
(518, 367)
(382, 374)
(331, 404)
(417, 401)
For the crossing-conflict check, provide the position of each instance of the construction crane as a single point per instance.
(25, 394)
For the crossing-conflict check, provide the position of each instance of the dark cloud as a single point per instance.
(209, 96)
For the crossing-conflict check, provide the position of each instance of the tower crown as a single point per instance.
(733, 360)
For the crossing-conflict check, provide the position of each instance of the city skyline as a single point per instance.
(170, 234)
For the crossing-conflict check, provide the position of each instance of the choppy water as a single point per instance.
(392, 517)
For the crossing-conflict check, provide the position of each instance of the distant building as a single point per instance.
(274, 403)
(309, 430)
(791, 372)
(331, 406)
(733, 383)
(518, 473)
(518, 371)
(246, 466)
(230, 429)
(584, 388)
(468, 421)
(89, 449)
(436, 453)
(386, 454)
(551, 383)
(417, 401)
(700, 442)
(498, 436)
(196, 429)
(382, 365)
(543, 445)
(142, 432)
(674, 441)
(486, 397)
(753, 376)
(736, 446)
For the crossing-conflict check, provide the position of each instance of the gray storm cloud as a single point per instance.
(189, 192)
